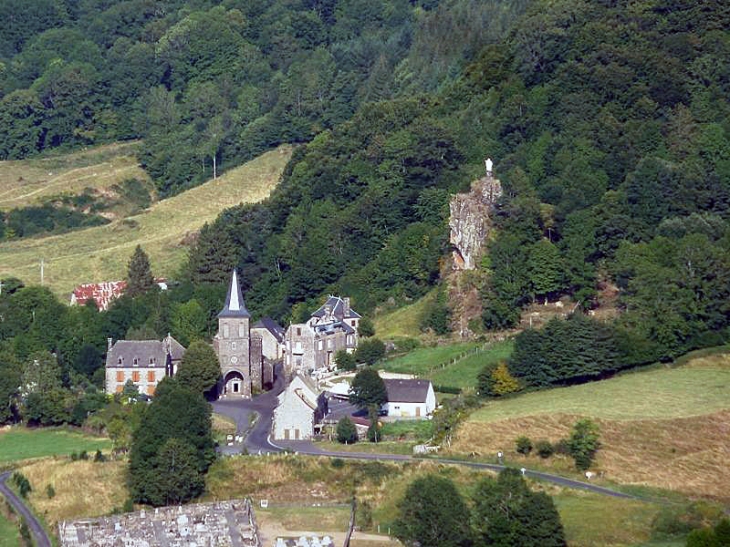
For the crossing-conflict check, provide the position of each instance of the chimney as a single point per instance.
(108, 344)
(346, 302)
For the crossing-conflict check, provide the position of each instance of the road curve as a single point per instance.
(40, 537)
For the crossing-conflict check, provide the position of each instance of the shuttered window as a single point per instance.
(120, 376)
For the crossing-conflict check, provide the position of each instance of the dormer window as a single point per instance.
(119, 361)
(152, 360)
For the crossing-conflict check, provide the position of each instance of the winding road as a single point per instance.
(40, 537)
(257, 440)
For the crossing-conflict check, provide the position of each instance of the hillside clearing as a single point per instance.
(19, 443)
(28, 182)
(664, 428)
(101, 253)
(403, 322)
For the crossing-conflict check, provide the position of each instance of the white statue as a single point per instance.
(488, 163)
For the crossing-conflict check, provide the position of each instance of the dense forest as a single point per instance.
(608, 122)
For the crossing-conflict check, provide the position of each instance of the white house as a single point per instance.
(300, 407)
(409, 398)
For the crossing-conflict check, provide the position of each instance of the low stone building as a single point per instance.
(313, 345)
(301, 407)
(409, 398)
(272, 337)
(144, 362)
(220, 524)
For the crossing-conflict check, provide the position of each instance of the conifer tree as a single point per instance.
(139, 273)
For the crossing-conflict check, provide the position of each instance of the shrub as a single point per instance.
(370, 351)
(345, 360)
(447, 389)
(23, 484)
(74, 456)
(83, 455)
(337, 463)
(544, 449)
(99, 457)
(50, 491)
(584, 443)
(562, 447)
(523, 445)
(346, 431)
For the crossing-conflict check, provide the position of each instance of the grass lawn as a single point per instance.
(101, 253)
(9, 536)
(20, 443)
(385, 447)
(307, 518)
(27, 182)
(654, 394)
(435, 364)
(404, 322)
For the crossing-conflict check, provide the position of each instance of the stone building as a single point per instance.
(144, 362)
(221, 524)
(244, 370)
(312, 345)
(301, 406)
(272, 337)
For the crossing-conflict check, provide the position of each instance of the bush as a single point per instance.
(83, 455)
(584, 443)
(23, 484)
(523, 445)
(346, 431)
(50, 491)
(345, 360)
(447, 389)
(74, 456)
(562, 447)
(99, 457)
(544, 449)
(337, 463)
(370, 351)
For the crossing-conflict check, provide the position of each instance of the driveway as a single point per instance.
(40, 538)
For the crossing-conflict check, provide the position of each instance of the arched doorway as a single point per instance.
(233, 385)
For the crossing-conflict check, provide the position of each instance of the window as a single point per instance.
(233, 346)
(226, 331)
(352, 322)
(150, 390)
(298, 346)
(119, 361)
(120, 376)
(241, 330)
(320, 345)
(135, 362)
(152, 360)
(150, 377)
(330, 343)
(135, 376)
(299, 332)
(119, 388)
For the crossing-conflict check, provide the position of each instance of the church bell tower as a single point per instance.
(234, 343)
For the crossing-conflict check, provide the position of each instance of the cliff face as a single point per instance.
(469, 221)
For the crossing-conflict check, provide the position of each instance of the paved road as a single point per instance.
(39, 533)
(258, 440)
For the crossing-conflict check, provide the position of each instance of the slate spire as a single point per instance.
(234, 306)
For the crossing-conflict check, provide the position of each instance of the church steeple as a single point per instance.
(234, 306)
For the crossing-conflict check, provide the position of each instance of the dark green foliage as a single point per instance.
(346, 431)
(99, 457)
(172, 447)
(704, 537)
(583, 443)
(506, 513)
(544, 449)
(199, 369)
(50, 491)
(431, 514)
(345, 360)
(48, 219)
(369, 351)
(10, 380)
(438, 315)
(366, 328)
(368, 389)
(22, 482)
(139, 274)
(523, 445)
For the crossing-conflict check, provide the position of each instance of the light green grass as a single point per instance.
(30, 181)
(464, 373)
(591, 520)
(404, 322)
(307, 518)
(22, 444)
(102, 253)
(413, 430)
(365, 447)
(9, 535)
(653, 394)
(435, 363)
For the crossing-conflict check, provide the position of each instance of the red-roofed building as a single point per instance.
(101, 293)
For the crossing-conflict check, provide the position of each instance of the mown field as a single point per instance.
(9, 536)
(665, 427)
(28, 182)
(22, 444)
(455, 365)
(101, 253)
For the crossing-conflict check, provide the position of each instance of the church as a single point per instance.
(245, 370)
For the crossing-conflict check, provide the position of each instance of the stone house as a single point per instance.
(313, 345)
(272, 337)
(144, 362)
(409, 398)
(301, 407)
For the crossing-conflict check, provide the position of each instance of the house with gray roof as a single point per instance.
(409, 398)
(313, 345)
(272, 337)
(300, 408)
(143, 362)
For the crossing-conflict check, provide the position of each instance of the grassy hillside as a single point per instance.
(102, 253)
(455, 365)
(662, 428)
(403, 322)
(24, 444)
(30, 181)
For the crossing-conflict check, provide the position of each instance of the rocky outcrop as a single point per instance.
(469, 221)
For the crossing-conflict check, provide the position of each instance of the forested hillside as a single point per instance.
(609, 124)
(206, 81)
